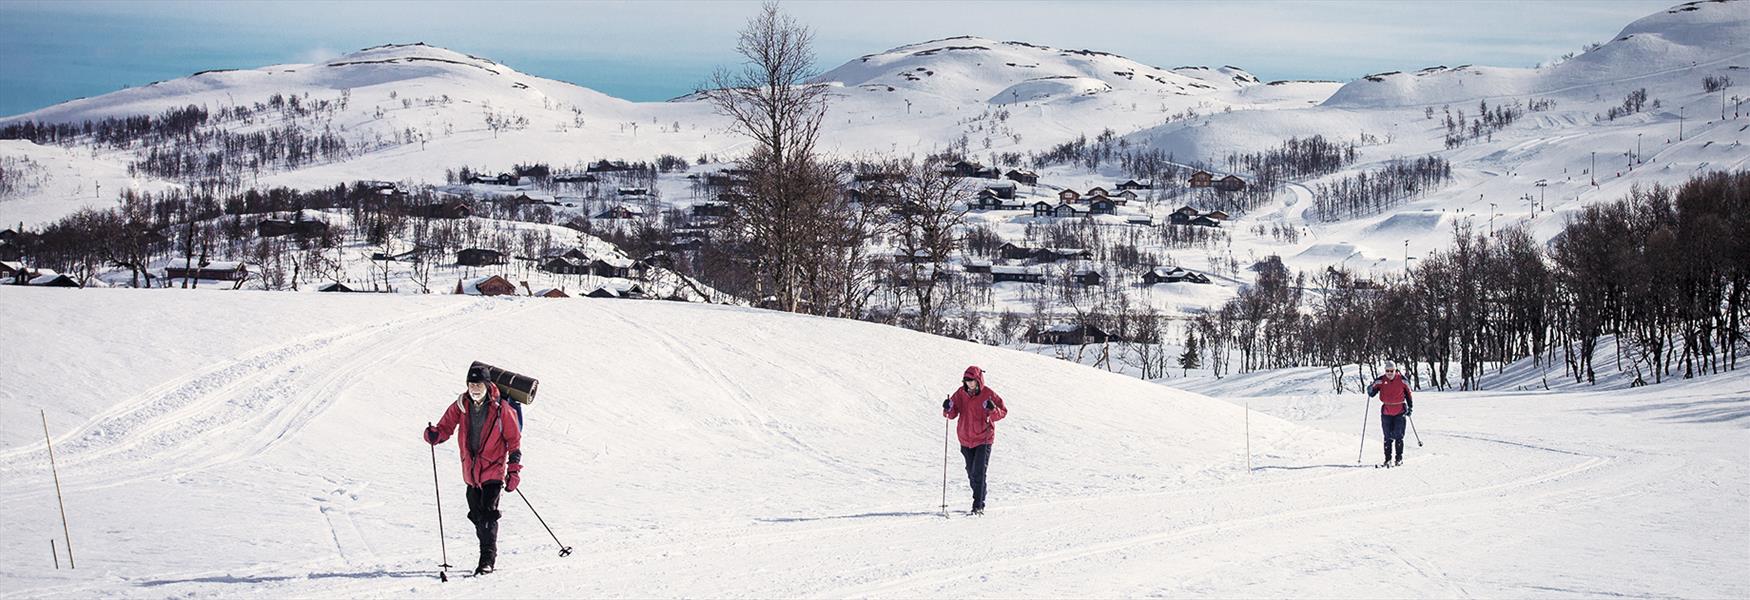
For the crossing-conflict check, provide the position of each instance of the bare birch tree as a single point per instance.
(770, 101)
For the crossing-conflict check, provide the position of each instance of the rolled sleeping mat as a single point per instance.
(518, 387)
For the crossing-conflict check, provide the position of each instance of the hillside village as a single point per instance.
(1089, 190)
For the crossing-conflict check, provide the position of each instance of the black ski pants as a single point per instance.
(1393, 427)
(483, 511)
(977, 463)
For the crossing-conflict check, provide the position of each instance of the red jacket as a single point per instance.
(977, 425)
(1394, 394)
(503, 443)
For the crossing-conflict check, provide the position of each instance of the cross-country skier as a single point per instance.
(1394, 409)
(978, 408)
(490, 442)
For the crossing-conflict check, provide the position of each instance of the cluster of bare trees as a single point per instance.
(804, 242)
(1372, 191)
(1631, 104)
(1665, 272)
(1486, 123)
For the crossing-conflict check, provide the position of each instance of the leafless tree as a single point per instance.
(927, 219)
(770, 101)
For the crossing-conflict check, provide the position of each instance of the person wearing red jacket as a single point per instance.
(978, 408)
(1394, 409)
(490, 442)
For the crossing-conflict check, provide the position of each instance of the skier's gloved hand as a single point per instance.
(431, 434)
(514, 479)
(990, 405)
(947, 405)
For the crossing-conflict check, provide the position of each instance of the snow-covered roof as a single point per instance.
(471, 287)
(44, 279)
(222, 265)
(16, 266)
(1012, 270)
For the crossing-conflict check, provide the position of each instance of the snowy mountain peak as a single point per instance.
(415, 53)
(974, 69)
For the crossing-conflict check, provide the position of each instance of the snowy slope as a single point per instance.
(1667, 53)
(969, 69)
(1683, 38)
(54, 181)
(689, 450)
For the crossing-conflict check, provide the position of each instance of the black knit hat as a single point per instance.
(477, 374)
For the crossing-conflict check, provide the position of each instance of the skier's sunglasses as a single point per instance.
(1391, 370)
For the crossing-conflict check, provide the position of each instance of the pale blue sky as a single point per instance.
(56, 51)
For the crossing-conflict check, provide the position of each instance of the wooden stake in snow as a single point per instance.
(54, 554)
(58, 499)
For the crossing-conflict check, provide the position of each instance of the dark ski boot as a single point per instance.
(487, 557)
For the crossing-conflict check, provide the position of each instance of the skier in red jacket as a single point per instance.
(1394, 409)
(490, 442)
(978, 408)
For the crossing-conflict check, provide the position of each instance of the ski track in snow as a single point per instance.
(230, 412)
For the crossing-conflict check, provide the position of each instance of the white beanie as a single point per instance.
(1391, 366)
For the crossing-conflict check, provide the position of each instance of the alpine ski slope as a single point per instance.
(255, 444)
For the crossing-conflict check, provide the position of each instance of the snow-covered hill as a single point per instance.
(686, 450)
(414, 111)
(971, 69)
(291, 444)
(1685, 38)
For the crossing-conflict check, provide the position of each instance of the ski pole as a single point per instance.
(443, 574)
(1365, 406)
(1413, 429)
(564, 550)
(947, 430)
(58, 500)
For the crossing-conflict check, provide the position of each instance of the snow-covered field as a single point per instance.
(266, 445)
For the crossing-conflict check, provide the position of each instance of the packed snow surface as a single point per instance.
(255, 444)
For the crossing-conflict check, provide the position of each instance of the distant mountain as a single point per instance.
(975, 69)
(1686, 36)
(411, 70)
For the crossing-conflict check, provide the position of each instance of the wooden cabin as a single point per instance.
(214, 270)
(479, 257)
(1071, 334)
(1017, 274)
(491, 285)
